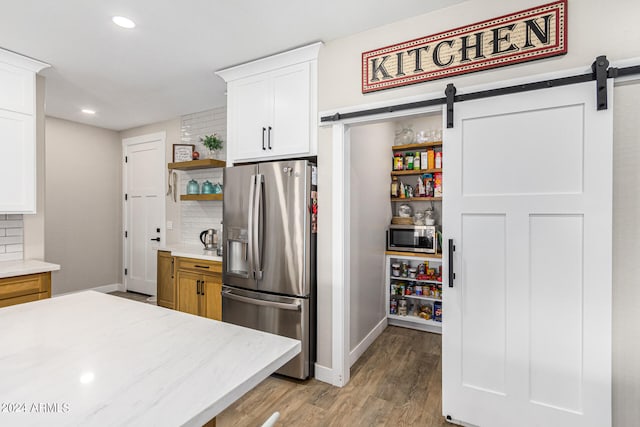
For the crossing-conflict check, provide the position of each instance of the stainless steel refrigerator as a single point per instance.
(270, 252)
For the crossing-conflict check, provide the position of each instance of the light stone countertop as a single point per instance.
(190, 251)
(101, 360)
(24, 267)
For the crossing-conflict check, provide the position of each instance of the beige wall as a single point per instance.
(626, 252)
(34, 224)
(83, 205)
(370, 214)
(595, 28)
(172, 131)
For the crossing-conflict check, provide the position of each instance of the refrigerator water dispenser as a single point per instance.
(238, 252)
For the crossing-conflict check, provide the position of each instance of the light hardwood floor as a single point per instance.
(396, 382)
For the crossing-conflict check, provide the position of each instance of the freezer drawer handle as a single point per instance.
(281, 305)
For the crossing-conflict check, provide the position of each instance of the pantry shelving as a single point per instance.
(422, 297)
(416, 171)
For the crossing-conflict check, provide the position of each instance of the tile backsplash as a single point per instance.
(201, 215)
(11, 237)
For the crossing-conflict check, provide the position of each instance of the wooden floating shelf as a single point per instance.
(416, 199)
(198, 164)
(201, 197)
(416, 171)
(413, 254)
(408, 147)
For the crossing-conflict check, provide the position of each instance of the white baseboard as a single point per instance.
(326, 375)
(109, 288)
(363, 345)
(104, 289)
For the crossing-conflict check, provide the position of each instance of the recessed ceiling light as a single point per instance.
(123, 22)
(88, 111)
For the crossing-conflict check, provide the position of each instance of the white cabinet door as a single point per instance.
(17, 163)
(17, 87)
(250, 103)
(528, 204)
(291, 106)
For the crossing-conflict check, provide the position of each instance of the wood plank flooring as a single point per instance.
(396, 382)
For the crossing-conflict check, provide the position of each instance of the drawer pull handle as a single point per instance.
(201, 266)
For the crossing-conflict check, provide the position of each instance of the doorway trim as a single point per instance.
(127, 142)
(338, 374)
(341, 241)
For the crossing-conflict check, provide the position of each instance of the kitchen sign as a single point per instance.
(535, 33)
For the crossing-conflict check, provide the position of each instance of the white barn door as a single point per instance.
(528, 204)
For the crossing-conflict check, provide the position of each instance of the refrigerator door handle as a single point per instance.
(281, 305)
(258, 216)
(250, 228)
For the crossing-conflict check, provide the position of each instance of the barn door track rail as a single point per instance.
(600, 72)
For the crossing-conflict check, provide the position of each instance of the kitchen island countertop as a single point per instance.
(190, 251)
(25, 266)
(93, 359)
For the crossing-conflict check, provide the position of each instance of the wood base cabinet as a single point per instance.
(199, 287)
(21, 289)
(166, 280)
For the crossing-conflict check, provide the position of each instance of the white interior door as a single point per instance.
(144, 210)
(528, 204)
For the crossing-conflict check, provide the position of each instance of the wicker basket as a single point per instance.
(402, 220)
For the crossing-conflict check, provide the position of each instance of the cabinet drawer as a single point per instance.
(22, 299)
(25, 285)
(199, 265)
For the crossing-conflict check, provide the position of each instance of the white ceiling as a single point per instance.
(164, 68)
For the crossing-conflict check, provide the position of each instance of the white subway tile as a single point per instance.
(10, 240)
(2, 249)
(11, 256)
(3, 232)
(14, 248)
(14, 217)
(14, 231)
(3, 217)
(11, 224)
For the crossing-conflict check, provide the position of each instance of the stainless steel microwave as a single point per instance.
(412, 238)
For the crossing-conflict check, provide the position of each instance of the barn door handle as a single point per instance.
(157, 239)
(452, 275)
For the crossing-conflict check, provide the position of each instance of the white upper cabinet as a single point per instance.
(272, 106)
(18, 132)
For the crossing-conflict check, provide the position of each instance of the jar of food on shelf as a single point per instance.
(404, 136)
(402, 307)
(409, 290)
(398, 162)
(416, 161)
(395, 270)
(404, 267)
(412, 273)
(408, 160)
(405, 210)
(417, 289)
(395, 187)
(438, 161)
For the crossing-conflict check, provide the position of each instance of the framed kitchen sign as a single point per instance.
(539, 32)
(183, 152)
